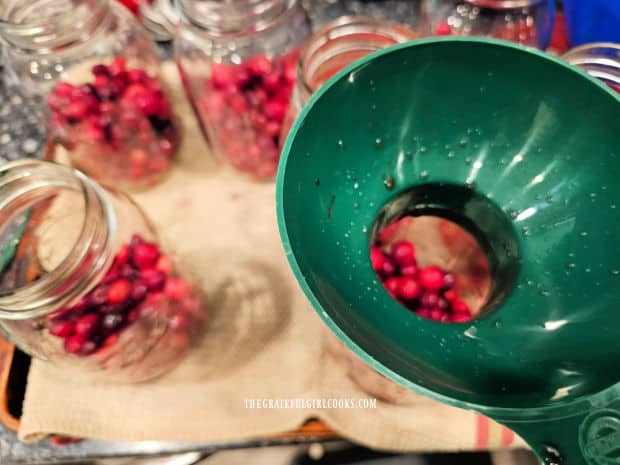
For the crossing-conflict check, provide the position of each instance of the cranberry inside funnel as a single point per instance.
(444, 252)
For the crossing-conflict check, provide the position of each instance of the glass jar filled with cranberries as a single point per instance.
(94, 70)
(238, 63)
(335, 46)
(84, 279)
(600, 60)
(527, 22)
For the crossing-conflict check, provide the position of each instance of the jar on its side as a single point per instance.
(87, 282)
(238, 64)
(528, 22)
(94, 71)
(599, 59)
(335, 46)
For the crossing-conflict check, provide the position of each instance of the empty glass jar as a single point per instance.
(238, 62)
(600, 59)
(335, 46)
(528, 22)
(85, 281)
(94, 71)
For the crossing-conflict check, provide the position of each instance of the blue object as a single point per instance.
(592, 21)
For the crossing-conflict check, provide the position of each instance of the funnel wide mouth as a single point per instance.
(515, 126)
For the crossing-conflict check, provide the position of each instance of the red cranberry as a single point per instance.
(376, 258)
(178, 322)
(260, 65)
(164, 264)
(73, 344)
(408, 288)
(148, 103)
(99, 296)
(62, 328)
(403, 253)
(450, 295)
(119, 291)
(113, 321)
(275, 110)
(64, 89)
(409, 270)
(436, 314)
(87, 324)
(136, 75)
(153, 278)
(145, 255)
(443, 304)
(431, 277)
(76, 110)
(449, 280)
(443, 29)
(139, 290)
(88, 347)
(460, 318)
(458, 306)
(271, 81)
(423, 312)
(392, 284)
(221, 75)
(388, 267)
(176, 288)
(117, 66)
(429, 299)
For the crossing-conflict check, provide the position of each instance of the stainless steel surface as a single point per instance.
(13, 451)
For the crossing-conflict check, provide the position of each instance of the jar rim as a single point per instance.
(254, 16)
(504, 4)
(599, 65)
(69, 279)
(342, 28)
(42, 35)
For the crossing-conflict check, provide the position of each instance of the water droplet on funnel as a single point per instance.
(423, 149)
(544, 292)
(526, 231)
(424, 175)
(550, 199)
(356, 185)
(463, 142)
(513, 213)
(356, 205)
(612, 206)
(388, 182)
(373, 107)
(497, 324)
(340, 144)
(571, 265)
(317, 182)
(615, 272)
(588, 270)
(467, 160)
(364, 229)
(409, 155)
(378, 142)
(451, 154)
(583, 234)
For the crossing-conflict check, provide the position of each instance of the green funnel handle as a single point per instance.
(592, 438)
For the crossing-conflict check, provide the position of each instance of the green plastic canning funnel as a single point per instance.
(524, 149)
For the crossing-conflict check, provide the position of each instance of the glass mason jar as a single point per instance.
(600, 59)
(335, 46)
(94, 71)
(238, 63)
(85, 281)
(528, 22)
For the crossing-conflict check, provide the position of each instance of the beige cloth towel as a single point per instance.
(263, 340)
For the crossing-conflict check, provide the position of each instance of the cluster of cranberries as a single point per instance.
(244, 108)
(139, 284)
(118, 126)
(430, 292)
